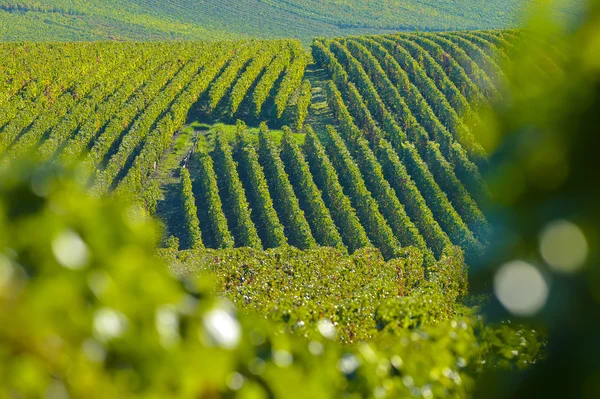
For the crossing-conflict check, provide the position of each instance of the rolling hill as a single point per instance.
(379, 150)
(76, 20)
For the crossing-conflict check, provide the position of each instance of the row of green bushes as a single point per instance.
(235, 205)
(435, 99)
(260, 61)
(328, 182)
(473, 71)
(251, 174)
(49, 81)
(159, 140)
(393, 210)
(74, 149)
(285, 202)
(309, 196)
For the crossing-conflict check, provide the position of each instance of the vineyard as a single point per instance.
(299, 199)
(368, 141)
(76, 20)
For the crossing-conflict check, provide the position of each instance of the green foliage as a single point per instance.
(303, 104)
(75, 20)
(360, 294)
(397, 59)
(263, 89)
(438, 202)
(252, 176)
(223, 84)
(473, 71)
(299, 289)
(410, 196)
(285, 201)
(73, 147)
(208, 200)
(161, 137)
(292, 80)
(394, 212)
(140, 111)
(439, 72)
(193, 234)
(428, 301)
(412, 104)
(552, 108)
(309, 196)
(88, 309)
(247, 78)
(326, 178)
(366, 207)
(233, 195)
(448, 65)
(129, 144)
(490, 67)
(456, 192)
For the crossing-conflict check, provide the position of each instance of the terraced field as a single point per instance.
(388, 159)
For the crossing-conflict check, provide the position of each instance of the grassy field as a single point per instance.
(65, 20)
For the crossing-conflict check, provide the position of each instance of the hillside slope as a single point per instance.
(66, 20)
(392, 161)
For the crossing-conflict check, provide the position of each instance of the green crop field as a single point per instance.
(387, 157)
(68, 20)
(298, 199)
